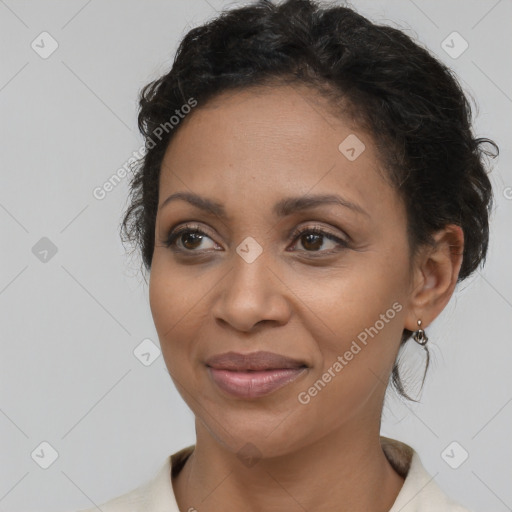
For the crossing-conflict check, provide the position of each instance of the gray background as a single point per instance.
(70, 324)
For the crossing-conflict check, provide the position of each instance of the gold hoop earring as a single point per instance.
(419, 336)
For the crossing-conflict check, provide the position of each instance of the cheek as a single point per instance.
(161, 298)
(176, 306)
(354, 364)
(168, 307)
(361, 317)
(172, 295)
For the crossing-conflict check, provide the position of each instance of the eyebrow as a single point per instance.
(282, 208)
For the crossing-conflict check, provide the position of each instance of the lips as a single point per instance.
(254, 384)
(255, 361)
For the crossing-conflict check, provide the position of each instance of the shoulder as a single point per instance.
(420, 492)
(153, 495)
(136, 500)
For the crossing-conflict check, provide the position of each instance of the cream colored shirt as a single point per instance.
(419, 493)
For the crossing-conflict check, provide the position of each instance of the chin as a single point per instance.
(266, 433)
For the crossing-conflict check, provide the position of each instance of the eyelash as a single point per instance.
(173, 236)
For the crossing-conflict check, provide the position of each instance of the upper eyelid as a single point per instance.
(194, 225)
(294, 233)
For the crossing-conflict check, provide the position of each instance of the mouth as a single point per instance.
(253, 375)
(253, 383)
(255, 361)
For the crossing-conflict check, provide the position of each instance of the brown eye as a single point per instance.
(191, 240)
(186, 239)
(312, 239)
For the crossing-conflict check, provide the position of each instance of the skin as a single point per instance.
(247, 150)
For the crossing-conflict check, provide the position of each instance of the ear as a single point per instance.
(435, 274)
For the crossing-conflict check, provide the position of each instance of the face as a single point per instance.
(258, 279)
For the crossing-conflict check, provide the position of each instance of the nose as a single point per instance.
(252, 294)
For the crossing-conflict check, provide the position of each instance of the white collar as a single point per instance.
(419, 493)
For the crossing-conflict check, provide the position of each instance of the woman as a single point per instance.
(311, 194)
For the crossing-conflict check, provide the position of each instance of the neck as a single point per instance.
(344, 471)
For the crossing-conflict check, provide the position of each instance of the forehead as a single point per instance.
(275, 117)
(264, 143)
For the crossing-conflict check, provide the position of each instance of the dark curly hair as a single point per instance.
(411, 104)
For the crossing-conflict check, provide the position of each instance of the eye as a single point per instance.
(189, 238)
(312, 239)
